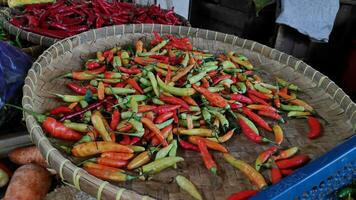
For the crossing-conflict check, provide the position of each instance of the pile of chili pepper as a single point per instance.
(132, 108)
(66, 18)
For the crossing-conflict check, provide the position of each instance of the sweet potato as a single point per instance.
(27, 155)
(29, 182)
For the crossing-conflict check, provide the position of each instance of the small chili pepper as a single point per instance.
(271, 114)
(197, 132)
(240, 98)
(80, 127)
(294, 101)
(250, 134)
(125, 140)
(188, 186)
(298, 114)
(241, 60)
(256, 99)
(261, 107)
(92, 64)
(160, 164)
(286, 84)
(207, 158)
(293, 162)
(286, 153)
(164, 151)
(257, 119)
(263, 157)
(79, 89)
(99, 123)
(254, 176)
(188, 146)
(146, 108)
(70, 98)
(93, 148)
(135, 85)
(92, 165)
(174, 100)
(109, 55)
(182, 72)
(101, 91)
(214, 98)
(175, 90)
(278, 134)
(166, 108)
(139, 160)
(189, 100)
(277, 101)
(132, 70)
(315, 128)
(96, 71)
(292, 108)
(262, 89)
(276, 175)
(150, 125)
(109, 175)
(286, 172)
(109, 162)
(60, 110)
(223, 138)
(210, 144)
(115, 155)
(163, 117)
(242, 195)
(115, 119)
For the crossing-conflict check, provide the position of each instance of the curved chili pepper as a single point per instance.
(188, 186)
(93, 148)
(188, 146)
(256, 99)
(242, 195)
(257, 119)
(293, 162)
(250, 134)
(271, 114)
(160, 164)
(278, 134)
(263, 157)
(241, 98)
(58, 130)
(135, 85)
(174, 100)
(259, 94)
(214, 98)
(207, 158)
(175, 90)
(60, 110)
(286, 153)
(80, 89)
(315, 128)
(110, 162)
(150, 125)
(133, 70)
(210, 144)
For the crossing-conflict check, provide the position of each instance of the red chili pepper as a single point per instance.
(125, 140)
(134, 140)
(166, 108)
(174, 100)
(256, 99)
(270, 114)
(175, 117)
(133, 70)
(58, 130)
(249, 133)
(286, 172)
(121, 84)
(111, 162)
(212, 74)
(276, 175)
(189, 100)
(109, 55)
(80, 89)
(205, 83)
(315, 128)
(207, 158)
(188, 146)
(146, 108)
(165, 132)
(214, 98)
(254, 117)
(264, 156)
(126, 127)
(115, 119)
(161, 58)
(293, 162)
(241, 98)
(92, 65)
(242, 195)
(168, 76)
(258, 94)
(60, 110)
(99, 70)
(163, 117)
(235, 106)
(135, 85)
(217, 79)
(150, 125)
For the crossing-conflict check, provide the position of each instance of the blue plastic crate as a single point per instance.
(320, 178)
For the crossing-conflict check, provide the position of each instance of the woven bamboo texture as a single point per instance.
(6, 14)
(318, 90)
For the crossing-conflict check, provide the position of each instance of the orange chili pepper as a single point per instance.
(207, 158)
(150, 125)
(214, 98)
(210, 144)
(278, 134)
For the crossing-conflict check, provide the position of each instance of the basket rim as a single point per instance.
(42, 40)
(78, 175)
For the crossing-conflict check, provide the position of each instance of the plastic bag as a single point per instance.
(14, 65)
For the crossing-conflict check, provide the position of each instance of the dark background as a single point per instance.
(336, 59)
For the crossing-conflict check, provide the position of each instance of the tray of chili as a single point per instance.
(174, 112)
(45, 24)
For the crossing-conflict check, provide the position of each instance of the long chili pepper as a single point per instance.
(263, 157)
(250, 134)
(257, 100)
(163, 117)
(109, 175)
(210, 144)
(271, 114)
(242, 195)
(166, 108)
(93, 148)
(150, 125)
(276, 175)
(174, 100)
(294, 101)
(204, 132)
(186, 145)
(115, 119)
(278, 134)
(135, 85)
(207, 158)
(259, 94)
(115, 155)
(160, 164)
(224, 138)
(214, 98)
(98, 122)
(175, 90)
(188, 186)
(80, 89)
(139, 160)
(60, 110)
(286, 153)
(254, 176)
(261, 107)
(91, 165)
(293, 162)
(111, 162)
(315, 128)
(165, 132)
(257, 119)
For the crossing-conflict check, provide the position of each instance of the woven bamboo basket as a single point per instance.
(318, 90)
(6, 14)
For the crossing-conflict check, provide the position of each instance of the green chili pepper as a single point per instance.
(145, 81)
(188, 186)
(129, 114)
(159, 46)
(184, 62)
(206, 115)
(222, 119)
(209, 68)
(94, 83)
(164, 124)
(262, 89)
(216, 89)
(137, 97)
(234, 89)
(125, 57)
(116, 62)
(174, 90)
(249, 123)
(162, 71)
(153, 80)
(70, 98)
(160, 164)
(163, 152)
(226, 82)
(184, 116)
(269, 86)
(210, 63)
(184, 123)
(148, 89)
(119, 91)
(87, 114)
(197, 77)
(80, 127)
(136, 148)
(133, 105)
(232, 71)
(284, 83)
(226, 64)
(157, 101)
(194, 108)
(242, 87)
(298, 114)
(292, 108)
